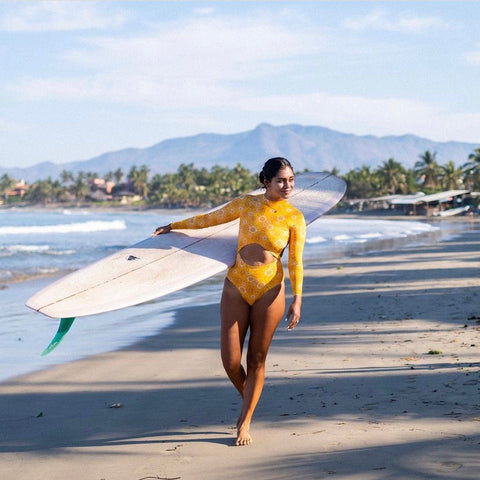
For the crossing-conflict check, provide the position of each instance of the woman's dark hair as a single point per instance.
(272, 167)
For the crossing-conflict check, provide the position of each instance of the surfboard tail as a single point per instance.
(63, 328)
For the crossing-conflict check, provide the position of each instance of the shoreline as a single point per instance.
(334, 212)
(352, 391)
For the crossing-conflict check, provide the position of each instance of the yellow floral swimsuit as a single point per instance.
(273, 226)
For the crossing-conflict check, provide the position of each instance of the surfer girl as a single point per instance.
(254, 291)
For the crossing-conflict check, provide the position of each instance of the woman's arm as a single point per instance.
(225, 214)
(295, 269)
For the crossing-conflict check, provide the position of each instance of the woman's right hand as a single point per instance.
(160, 230)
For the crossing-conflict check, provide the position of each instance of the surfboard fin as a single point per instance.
(64, 327)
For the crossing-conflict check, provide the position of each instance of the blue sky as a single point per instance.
(80, 78)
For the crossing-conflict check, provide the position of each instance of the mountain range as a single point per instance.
(313, 147)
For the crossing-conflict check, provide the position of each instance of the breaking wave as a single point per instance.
(10, 250)
(83, 227)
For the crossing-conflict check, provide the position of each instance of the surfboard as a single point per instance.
(164, 264)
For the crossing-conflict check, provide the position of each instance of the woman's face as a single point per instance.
(281, 186)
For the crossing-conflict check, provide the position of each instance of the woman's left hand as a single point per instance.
(160, 230)
(293, 313)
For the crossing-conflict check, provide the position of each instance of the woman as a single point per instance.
(254, 292)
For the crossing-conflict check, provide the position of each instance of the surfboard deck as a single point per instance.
(164, 264)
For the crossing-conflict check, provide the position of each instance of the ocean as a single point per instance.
(38, 246)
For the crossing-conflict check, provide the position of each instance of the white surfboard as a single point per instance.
(164, 264)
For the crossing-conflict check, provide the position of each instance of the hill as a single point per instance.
(312, 147)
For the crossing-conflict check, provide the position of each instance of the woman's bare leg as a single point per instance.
(234, 314)
(265, 315)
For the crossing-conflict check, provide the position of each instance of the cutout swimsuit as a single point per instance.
(273, 226)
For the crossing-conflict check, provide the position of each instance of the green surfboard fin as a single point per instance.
(64, 327)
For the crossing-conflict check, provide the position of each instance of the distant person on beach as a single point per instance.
(254, 291)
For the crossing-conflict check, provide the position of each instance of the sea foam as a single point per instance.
(10, 250)
(83, 227)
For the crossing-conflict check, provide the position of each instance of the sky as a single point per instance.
(79, 78)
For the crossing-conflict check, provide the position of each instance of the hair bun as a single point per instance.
(272, 167)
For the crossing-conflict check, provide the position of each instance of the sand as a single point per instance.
(380, 381)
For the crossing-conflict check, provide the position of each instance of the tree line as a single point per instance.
(427, 176)
(188, 187)
(198, 187)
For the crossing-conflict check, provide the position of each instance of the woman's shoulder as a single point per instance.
(292, 209)
(244, 200)
(252, 198)
(294, 213)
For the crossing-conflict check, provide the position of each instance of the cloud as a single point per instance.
(204, 10)
(209, 68)
(379, 19)
(473, 57)
(220, 48)
(205, 62)
(42, 16)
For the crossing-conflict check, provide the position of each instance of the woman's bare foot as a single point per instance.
(243, 435)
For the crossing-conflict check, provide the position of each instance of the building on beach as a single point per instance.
(449, 202)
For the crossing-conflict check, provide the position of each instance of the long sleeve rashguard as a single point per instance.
(272, 225)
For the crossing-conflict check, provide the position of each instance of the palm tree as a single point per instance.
(118, 175)
(241, 180)
(362, 183)
(393, 176)
(66, 176)
(411, 181)
(91, 176)
(450, 176)
(474, 159)
(139, 180)
(80, 189)
(43, 191)
(6, 183)
(132, 175)
(472, 170)
(143, 180)
(427, 169)
(334, 171)
(186, 174)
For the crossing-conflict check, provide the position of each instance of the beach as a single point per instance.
(380, 380)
